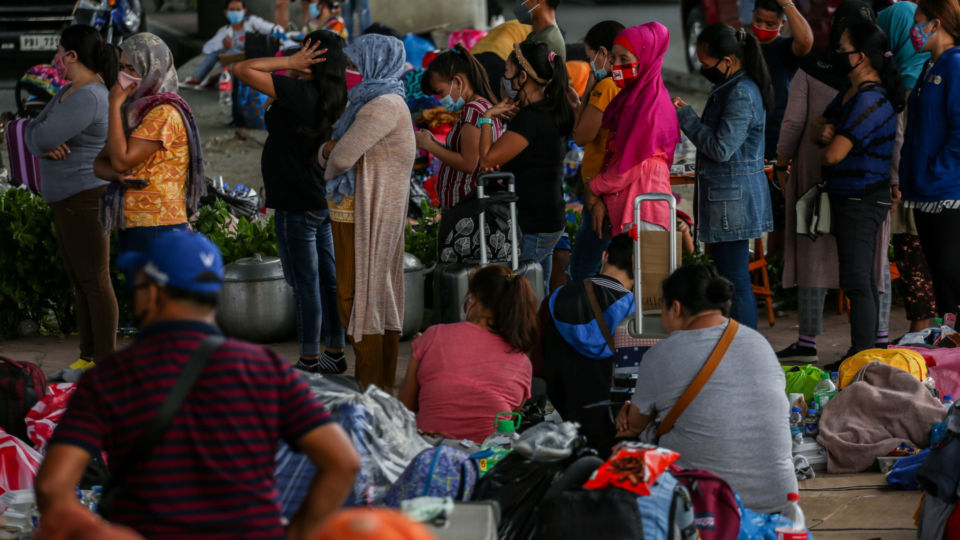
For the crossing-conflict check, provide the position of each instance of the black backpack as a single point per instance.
(22, 384)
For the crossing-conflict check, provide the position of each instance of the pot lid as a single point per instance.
(411, 263)
(256, 268)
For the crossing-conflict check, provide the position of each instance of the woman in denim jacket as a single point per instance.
(732, 199)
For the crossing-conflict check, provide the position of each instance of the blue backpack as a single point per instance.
(436, 472)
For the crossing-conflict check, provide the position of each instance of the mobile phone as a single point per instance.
(138, 183)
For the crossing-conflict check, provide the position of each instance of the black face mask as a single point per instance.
(841, 64)
(713, 73)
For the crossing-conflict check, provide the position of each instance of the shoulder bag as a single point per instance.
(813, 212)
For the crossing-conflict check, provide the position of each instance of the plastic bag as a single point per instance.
(18, 463)
(802, 380)
(757, 526)
(468, 37)
(383, 432)
(46, 413)
(904, 472)
(548, 442)
(633, 466)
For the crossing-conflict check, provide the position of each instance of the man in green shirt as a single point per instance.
(542, 14)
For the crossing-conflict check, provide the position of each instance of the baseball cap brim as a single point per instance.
(131, 262)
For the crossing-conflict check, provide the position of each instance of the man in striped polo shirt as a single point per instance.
(212, 474)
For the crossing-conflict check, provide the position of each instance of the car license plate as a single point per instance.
(39, 42)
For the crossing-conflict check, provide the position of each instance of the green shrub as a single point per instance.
(236, 237)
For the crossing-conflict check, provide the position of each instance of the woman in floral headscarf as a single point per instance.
(637, 160)
(368, 166)
(152, 155)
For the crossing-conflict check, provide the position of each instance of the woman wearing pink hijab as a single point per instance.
(643, 134)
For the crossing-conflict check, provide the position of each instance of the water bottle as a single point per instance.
(948, 401)
(791, 525)
(931, 385)
(811, 424)
(796, 425)
(823, 391)
(573, 159)
(835, 378)
(226, 94)
(506, 425)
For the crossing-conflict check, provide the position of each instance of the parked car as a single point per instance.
(697, 14)
(31, 28)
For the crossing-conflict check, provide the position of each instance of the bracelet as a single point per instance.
(485, 122)
(788, 4)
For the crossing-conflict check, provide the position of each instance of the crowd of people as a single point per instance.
(121, 150)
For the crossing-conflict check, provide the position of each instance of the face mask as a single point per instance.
(840, 62)
(918, 37)
(713, 73)
(235, 17)
(353, 78)
(624, 74)
(598, 72)
(764, 34)
(508, 88)
(448, 103)
(59, 66)
(524, 14)
(315, 10)
(127, 80)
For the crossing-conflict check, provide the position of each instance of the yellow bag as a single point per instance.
(908, 360)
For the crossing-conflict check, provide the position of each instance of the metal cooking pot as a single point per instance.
(257, 304)
(413, 294)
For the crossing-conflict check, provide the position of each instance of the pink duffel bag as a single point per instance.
(943, 365)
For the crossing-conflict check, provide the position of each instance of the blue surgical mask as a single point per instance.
(508, 88)
(598, 72)
(448, 102)
(315, 10)
(235, 17)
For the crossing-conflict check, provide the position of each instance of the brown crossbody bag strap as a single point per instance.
(598, 313)
(701, 379)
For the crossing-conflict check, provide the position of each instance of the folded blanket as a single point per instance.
(883, 408)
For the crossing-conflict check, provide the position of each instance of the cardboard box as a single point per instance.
(655, 266)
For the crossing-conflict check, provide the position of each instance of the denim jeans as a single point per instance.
(139, 238)
(360, 8)
(539, 247)
(733, 261)
(587, 249)
(211, 60)
(305, 242)
(856, 222)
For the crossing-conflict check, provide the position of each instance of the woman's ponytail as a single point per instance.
(106, 63)
(756, 68)
(511, 300)
(550, 67)
(92, 51)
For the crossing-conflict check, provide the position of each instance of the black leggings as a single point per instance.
(938, 236)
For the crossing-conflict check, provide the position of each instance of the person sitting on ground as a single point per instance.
(230, 39)
(737, 425)
(325, 15)
(217, 457)
(457, 390)
(578, 358)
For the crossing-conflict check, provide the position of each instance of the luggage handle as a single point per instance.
(511, 181)
(636, 329)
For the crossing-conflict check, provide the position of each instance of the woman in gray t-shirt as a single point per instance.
(737, 426)
(67, 136)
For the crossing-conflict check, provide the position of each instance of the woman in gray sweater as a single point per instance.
(67, 136)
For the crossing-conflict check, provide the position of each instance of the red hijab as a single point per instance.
(641, 118)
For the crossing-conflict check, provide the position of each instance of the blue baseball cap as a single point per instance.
(181, 259)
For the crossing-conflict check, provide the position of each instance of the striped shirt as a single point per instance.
(453, 184)
(213, 475)
(869, 121)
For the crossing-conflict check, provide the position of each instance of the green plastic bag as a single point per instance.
(802, 380)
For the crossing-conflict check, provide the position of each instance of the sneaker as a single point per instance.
(332, 363)
(191, 82)
(312, 367)
(82, 365)
(798, 353)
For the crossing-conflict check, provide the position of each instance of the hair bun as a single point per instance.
(719, 290)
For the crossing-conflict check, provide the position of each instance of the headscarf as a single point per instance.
(379, 59)
(372, 524)
(641, 118)
(152, 59)
(820, 66)
(896, 21)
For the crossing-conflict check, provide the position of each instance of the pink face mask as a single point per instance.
(353, 78)
(59, 66)
(126, 80)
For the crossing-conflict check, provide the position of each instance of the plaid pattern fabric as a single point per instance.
(810, 310)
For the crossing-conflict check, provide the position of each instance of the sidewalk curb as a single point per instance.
(686, 81)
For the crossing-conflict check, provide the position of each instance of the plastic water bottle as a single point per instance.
(506, 425)
(948, 401)
(796, 425)
(226, 94)
(824, 391)
(791, 525)
(811, 424)
(835, 378)
(573, 159)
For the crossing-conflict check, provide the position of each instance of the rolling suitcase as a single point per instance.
(635, 335)
(451, 281)
(24, 166)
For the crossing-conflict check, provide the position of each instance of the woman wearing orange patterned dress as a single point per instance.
(153, 153)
